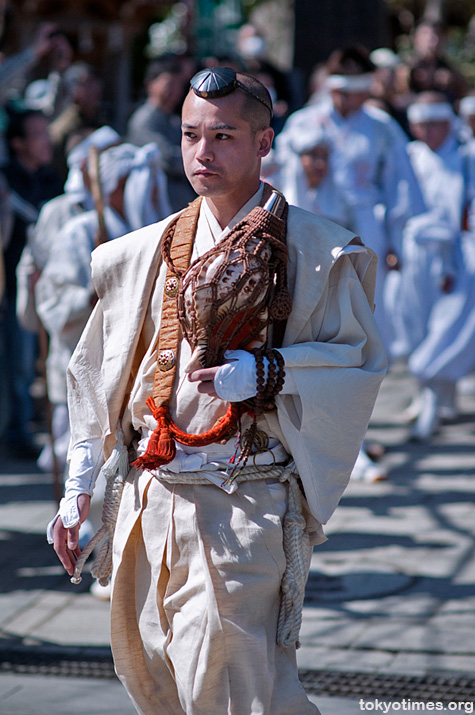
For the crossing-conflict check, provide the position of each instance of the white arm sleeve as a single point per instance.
(86, 461)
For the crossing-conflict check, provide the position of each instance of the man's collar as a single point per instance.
(216, 229)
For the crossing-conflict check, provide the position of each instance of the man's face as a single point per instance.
(348, 102)
(221, 154)
(433, 134)
(166, 90)
(428, 42)
(315, 164)
(88, 93)
(34, 150)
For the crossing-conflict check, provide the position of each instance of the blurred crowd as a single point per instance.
(381, 145)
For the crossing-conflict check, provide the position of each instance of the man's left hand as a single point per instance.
(205, 379)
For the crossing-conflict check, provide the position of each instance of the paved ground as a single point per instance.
(390, 607)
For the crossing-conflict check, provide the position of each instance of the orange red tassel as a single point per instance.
(161, 448)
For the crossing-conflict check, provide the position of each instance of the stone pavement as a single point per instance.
(390, 603)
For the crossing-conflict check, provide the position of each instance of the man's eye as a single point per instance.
(189, 135)
(222, 137)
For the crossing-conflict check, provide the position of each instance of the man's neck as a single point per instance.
(225, 208)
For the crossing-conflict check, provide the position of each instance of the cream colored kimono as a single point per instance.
(198, 571)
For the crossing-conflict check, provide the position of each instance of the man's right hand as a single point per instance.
(66, 540)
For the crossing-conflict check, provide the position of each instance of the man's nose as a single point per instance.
(204, 151)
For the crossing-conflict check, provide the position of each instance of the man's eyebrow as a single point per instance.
(214, 128)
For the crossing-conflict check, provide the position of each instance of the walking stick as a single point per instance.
(96, 191)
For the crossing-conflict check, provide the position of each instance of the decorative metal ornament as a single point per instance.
(218, 82)
(214, 82)
(171, 287)
(166, 360)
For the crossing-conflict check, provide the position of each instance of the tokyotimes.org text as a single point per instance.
(408, 705)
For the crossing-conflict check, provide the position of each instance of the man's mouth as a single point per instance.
(204, 172)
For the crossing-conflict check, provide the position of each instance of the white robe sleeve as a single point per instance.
(337, 377)
(401, 193)
(87, 403)
(64, 290)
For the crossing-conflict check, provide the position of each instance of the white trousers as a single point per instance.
(196, 601)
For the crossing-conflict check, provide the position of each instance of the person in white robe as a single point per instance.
(51, 220)
(52, 217)
(369, 165)
(198, 568)
(437, 299)
(76, 198)
(135, 194)
(466, 112)
(309, 184)
(64, 297)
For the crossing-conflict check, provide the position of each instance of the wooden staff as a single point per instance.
(96, 191)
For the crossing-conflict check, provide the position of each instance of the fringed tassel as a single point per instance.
(115, 470)
(161, 447)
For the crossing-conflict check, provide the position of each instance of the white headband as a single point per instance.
(438, 112)
(350, 83)
(467, 106)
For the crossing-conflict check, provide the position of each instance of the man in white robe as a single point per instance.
(437, 298)
(76, 198)
(309, 184)
(369, 164)
(64, 293)
(47, 230)
(198, 570)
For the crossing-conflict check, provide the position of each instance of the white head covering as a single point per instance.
(354, 83)
(467, 106)
(146, 191)
(115, 163)
(305, 140)
(40, 95)
(101, 138)
(430, 112)
(145, 194)
(384, 58)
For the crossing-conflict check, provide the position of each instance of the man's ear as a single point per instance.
(265, 138)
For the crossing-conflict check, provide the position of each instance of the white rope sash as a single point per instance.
(296, 542)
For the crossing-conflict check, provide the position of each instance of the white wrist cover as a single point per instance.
(86, 461)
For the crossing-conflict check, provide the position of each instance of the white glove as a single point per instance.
(235, 380)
